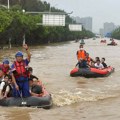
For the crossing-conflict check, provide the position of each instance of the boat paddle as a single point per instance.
(23, 102)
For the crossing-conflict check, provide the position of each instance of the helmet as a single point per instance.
(5, 61)
(19, 54)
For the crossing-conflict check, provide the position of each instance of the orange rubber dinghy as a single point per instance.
(91, 72)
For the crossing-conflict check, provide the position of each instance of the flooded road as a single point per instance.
(73, 98)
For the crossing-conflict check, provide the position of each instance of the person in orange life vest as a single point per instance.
(81, 54)
(89, 59)
(5, 66)
(20, 74)
(81, 57)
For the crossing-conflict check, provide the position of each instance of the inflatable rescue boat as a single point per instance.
(43, 101)
(91, 72)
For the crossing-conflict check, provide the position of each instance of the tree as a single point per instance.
(5, 20)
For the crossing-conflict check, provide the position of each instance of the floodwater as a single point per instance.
(75, 98)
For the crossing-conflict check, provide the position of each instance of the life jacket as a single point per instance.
(81, 54)
(88, 59)
(20, 69)
(4, 69)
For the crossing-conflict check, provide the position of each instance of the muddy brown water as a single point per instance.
(75, 98)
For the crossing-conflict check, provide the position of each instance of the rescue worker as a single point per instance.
(5, 66)
(20, 74)
(88, 59)
(81, 54)
(81, 57)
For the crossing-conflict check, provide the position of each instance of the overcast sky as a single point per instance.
(100, 10)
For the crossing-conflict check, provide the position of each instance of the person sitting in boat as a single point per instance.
(31, 76)
(99, 65)
(113, 42)
(81, 57)
(88, 58)
(96, 59)
(92, 64)
(1, 75)
(20, 74)
(6, 87)
(103, 62)
(35, 89)
(5, 66)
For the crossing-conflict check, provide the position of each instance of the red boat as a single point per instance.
(103, 41)
(91, 72)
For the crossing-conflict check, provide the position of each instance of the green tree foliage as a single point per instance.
(5, 20)
(15, 24)
(116, 33)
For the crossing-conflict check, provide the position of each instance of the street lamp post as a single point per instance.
(8, 5)
(24, 40)
(10, 46)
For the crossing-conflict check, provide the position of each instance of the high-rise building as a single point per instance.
(101, 32)
(86, 22)
(109, 27)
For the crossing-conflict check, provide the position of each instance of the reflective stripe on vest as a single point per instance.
(81, 54)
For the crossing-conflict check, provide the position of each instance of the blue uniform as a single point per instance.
(22, 82)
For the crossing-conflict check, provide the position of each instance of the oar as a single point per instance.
(23, 102)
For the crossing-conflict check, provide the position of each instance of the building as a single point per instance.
(101, 32)
(109, 27)
(86, 22)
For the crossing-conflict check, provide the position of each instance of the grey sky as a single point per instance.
(101, 10)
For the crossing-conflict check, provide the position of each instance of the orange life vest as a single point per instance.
(20, 68)
(81, 54)
(88, 59)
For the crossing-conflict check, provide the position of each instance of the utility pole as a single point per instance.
(8, 5)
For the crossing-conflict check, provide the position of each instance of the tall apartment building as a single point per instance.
(86, 22)
(109, 27)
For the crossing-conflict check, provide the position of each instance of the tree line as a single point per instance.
(116, 33)
(14, 24)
